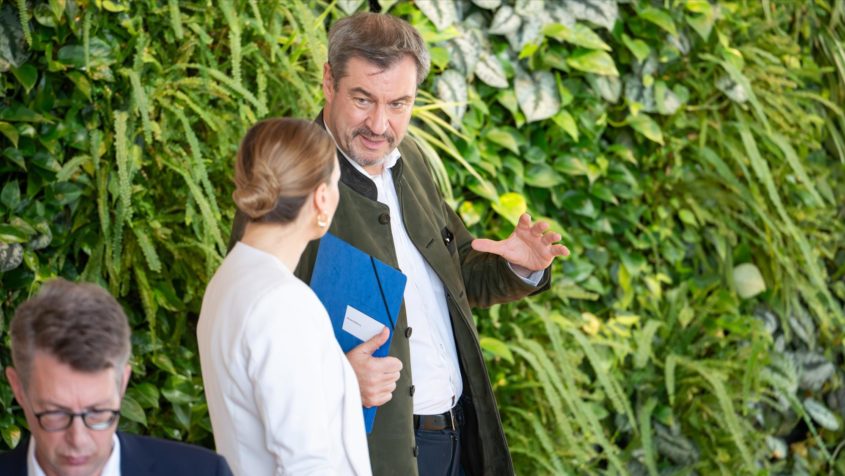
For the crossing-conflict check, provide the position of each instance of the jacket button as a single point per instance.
(413, 389)
(384, 218)
(408, 332)
(416, 450)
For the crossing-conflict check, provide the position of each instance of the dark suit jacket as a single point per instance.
(140, 456)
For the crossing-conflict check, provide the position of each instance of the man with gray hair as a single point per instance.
(70, 351)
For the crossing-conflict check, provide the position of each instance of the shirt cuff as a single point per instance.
(533, 279)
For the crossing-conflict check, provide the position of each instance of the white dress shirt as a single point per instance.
(435, 370)
(281, 395)
(111, 468)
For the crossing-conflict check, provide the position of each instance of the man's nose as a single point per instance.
(78, 435)
(377, 120)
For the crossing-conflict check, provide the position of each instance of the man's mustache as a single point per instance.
(368, 134)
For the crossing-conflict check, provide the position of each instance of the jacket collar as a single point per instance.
(352, 177)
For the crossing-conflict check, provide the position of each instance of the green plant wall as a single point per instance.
(692, 153)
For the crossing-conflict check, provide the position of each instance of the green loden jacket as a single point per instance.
(470, 278)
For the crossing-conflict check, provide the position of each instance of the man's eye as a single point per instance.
(399, 106)
(361, 101)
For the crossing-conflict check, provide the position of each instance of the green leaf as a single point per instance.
(659, 18)
(12, 234)
(565, 121)
(11, 194)
(19, 113)
(11, 132)
(593, 61)
(638, 47)
(503, 138)
(146, 394)
(579, 35)
(542, 175)
(510, 206)
(131, 410)
(27, 75)
(496, 347)
(11, 435)
(646, 126)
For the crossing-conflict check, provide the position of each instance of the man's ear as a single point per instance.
(127, 372)
(328, 82)
(15, 382)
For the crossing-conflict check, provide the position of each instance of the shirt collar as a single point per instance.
(111, 468)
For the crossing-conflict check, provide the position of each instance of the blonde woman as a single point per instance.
(282, 397)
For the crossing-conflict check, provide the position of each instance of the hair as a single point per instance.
(378, 38)
(280, 162)
(80, 324)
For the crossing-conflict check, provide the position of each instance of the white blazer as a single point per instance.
(282, 397)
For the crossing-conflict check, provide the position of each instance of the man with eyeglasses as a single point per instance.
(70, 350)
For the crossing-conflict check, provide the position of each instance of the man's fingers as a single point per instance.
(560, 250)
(551, 237)
(540, 227)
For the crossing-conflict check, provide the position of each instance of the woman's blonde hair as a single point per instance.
(280, 162)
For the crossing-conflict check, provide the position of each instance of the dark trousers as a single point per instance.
(439, 451)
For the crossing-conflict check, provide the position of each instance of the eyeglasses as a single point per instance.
(58, 420)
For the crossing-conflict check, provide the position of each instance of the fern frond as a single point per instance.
(233, 85)
(212, 227)
(86, 39)
(23, 16)
(141, 105)
(200, 173)
(148, 303)
(175, 18)
(147, 247)
(259, 22)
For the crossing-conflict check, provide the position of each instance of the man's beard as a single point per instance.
(368, 134)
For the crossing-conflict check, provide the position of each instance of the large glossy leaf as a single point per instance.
(452, 90)
(496, 347)
(465, 51)
(660, 18)
(748, 280)
(542, 176)
(488, 4)
(646, 126)
(442, 13)
(593, 61)
(537, 95)
(490, 70)
(579, 35)
(510, 206)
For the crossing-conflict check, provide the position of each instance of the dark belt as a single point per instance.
(448, 420)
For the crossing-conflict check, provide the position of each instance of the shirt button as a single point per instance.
(408, 332)
(384, 218)
(413, 389)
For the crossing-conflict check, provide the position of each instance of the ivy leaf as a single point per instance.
(542, 176)
(638, 47)
(496, 347)
(490, 70)
(608, 87)
(593, 61)
(11, 194)
(659, 18)
(646, 126)
(349, 6)
(748, 280)
(27, 75)
(131, 410)
(566, 122)
(503, 138)
(505, 22)
(510, 206)
(464, 52)
(579, 35)
(452, 89)
(821, 415)
(442, 13)
(537, 95)
(10, 132)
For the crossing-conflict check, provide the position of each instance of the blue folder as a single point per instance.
(346, 276)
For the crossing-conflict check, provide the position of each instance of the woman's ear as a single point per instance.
(321, 198)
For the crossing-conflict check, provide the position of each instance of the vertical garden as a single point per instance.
(692, 154)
